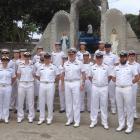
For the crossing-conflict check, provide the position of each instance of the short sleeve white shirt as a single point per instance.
(6, 75)
(57, 58)
(27, 72)
(73, 70)
(47, 73)
(99, 75)
(124, 75)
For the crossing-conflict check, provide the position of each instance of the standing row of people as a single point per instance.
(104, 78)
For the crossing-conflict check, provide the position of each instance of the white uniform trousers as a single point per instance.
(46, 95)
(37, 83)
(72, 99)
(13, 104)
(124, 100)
(86, 91)
(134, 92)
(26, 92)
(61, 97)
(99, 101)
(112, 96)
(5, 96)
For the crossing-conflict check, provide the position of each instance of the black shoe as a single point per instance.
(15, 111)
(61, 111)
(37, 110)
(82, 111)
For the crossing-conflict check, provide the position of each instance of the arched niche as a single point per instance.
(62, 24)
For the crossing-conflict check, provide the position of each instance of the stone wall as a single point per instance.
(11, 46)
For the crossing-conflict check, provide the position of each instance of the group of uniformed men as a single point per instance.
(104, 78)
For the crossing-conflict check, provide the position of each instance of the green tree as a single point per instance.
(36, 14)
(90, 14)
(134, 21)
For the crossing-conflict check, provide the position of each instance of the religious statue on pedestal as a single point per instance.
(114, 41)
(65, 44)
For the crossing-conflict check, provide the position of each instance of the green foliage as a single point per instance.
(134, 21)
(90, 14)
(36, 14)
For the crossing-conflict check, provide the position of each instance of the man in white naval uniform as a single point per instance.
(82, 50)
(15, 60)
(47, 74)
(100, 76)
(87, 88)
(71, 77)
(132, 62)
(7, 77)
(36, 58)
(101, 47)
(26, 74)
(111, 60)
(61, 91)
(57, 55)
(125, 77)
(37, 66)
(6, 52)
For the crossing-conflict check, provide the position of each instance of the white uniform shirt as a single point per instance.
(135, 66)
(99, 75)
(79, 55)
(16, 63)
(110, 59)
(20, 62)
(6, 75)
(124, 75)
(10, 64)
(47, 73)
(73, 70)
(27, 72)
(57, 58)
(87, 68)
(37, 65)
(36, 58)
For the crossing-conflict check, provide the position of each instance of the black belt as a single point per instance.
(46, 82)
(123, 86)
(4, 85)
(72, 80)
(26, 82)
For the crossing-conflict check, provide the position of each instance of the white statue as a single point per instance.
(64, 42)
(90, 29)
(114, 41)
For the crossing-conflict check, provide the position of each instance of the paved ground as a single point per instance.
(57, 131)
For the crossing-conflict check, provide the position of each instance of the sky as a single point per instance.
(126, 6)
